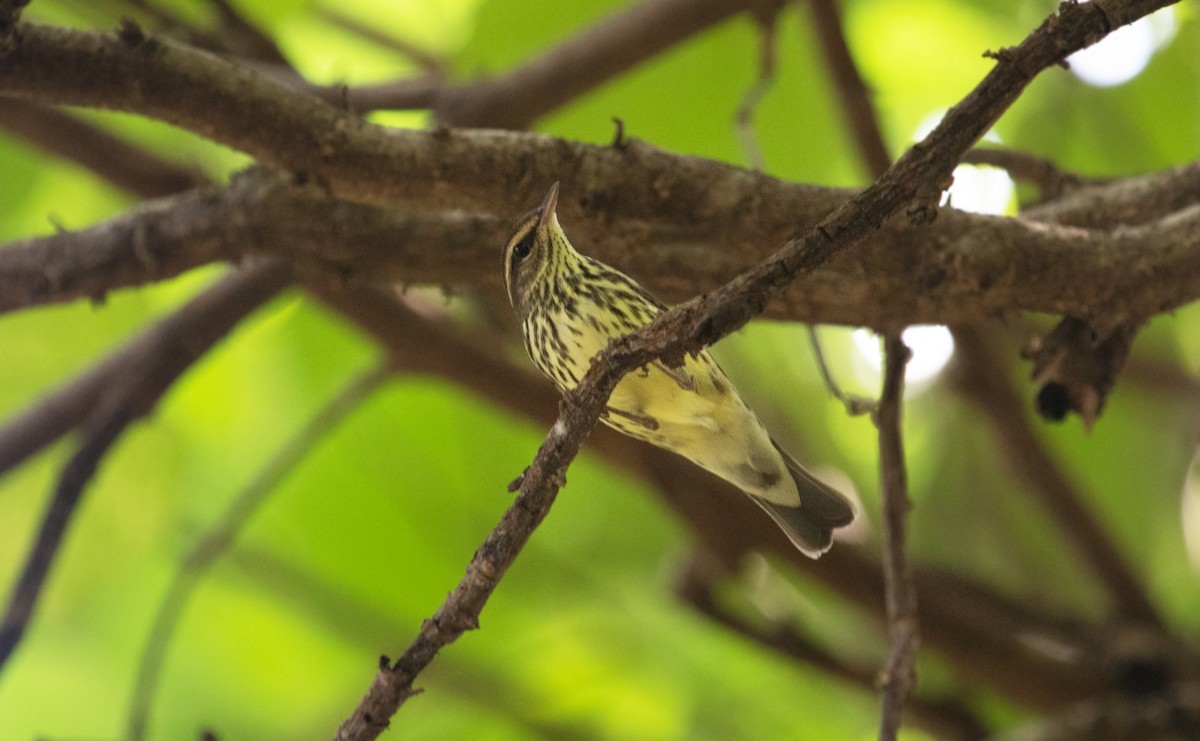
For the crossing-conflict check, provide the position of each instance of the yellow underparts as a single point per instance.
(692, 410)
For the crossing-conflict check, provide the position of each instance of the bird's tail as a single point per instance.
(822, 509)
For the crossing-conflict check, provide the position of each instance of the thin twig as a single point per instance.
(217, 540)
(855, 405)
(432, 64)
(860, 113)
(899, 674)
(743, 118)
(1051, 180)
(179, 342)
(100, 433)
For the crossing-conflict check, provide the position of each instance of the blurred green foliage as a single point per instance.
(584, 638)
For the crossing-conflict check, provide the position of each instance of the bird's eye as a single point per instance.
(522, 249)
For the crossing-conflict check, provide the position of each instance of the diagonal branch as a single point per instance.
(130, 168)
(220, 306)
(218, 539)
(101, 431)
(177, 343)
(619, 43)
(431, 63)
(852, 90)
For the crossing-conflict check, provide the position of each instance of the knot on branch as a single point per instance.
(1075, 368)
(130, 33)
(10, 13)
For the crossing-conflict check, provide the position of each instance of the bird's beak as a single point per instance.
(547, 207)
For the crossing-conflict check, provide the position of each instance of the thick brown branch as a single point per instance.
(286, 128)
(137, 247)
(963, 268)
(289, 129)
(1135, 200)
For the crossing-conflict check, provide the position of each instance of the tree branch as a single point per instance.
(1052, 181)
(67, 407)
(130, 168)
(1136, 200)
(100, 432)
(218, 539)
(432, 64)
(899, 675)
(960, 269)
(177, 344)
(852, 90)
(620, 42)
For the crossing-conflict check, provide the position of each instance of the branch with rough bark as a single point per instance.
(962, 268)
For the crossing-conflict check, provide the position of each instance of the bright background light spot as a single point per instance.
(981, 190)
(931, 347)
(1190, 513)
(1124, 53)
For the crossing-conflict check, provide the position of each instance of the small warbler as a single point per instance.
(571, 306)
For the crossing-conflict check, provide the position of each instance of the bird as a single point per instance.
(571, 306)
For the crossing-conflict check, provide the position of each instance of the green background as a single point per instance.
(583, 639)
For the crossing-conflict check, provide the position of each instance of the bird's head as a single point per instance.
(536, 245)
